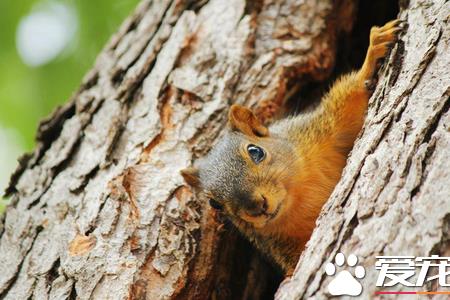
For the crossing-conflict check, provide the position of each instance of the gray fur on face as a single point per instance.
(224, 156)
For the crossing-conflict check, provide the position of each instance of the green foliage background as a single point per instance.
(28, 94)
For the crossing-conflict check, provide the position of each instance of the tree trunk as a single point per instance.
(394, 196)
(99, 210)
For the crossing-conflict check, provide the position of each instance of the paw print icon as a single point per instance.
(344, 282)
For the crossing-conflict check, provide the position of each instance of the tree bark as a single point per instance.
(394, 196)
(99, 210)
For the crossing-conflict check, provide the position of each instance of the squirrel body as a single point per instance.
(272, 182)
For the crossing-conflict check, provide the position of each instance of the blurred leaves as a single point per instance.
(27, 94)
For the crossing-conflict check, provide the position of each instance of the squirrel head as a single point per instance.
(247, 173)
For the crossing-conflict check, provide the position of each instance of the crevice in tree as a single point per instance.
(112, 142)
(431, 144)
(242, 272)
(73, 292)
(351, 226)
(85, 180)
(253, 7)
(51, 127)
(37, 199)
(433, 126)
(53, 273)
(119, 74)
(93, 226)
(55, 171)
(90, 81)
(397, 62)
(196, 5)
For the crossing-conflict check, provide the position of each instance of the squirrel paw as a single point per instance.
(382, 38)
(381, 41)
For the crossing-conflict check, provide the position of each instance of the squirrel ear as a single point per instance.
(244, 120)
(191, 176)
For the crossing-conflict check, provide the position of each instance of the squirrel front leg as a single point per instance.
(324, 140)
(381, 39)
(303, 156)
(345, 105)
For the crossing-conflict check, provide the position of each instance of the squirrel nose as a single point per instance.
(259, 207)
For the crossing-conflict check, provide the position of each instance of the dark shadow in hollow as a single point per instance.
(350, 54)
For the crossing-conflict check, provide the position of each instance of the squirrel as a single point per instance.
(271, 182)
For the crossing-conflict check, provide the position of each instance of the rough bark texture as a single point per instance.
(394, 195)
(99, 210)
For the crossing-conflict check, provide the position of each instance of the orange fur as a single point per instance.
(275, 201)
(325, 147)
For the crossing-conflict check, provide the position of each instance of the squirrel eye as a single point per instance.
(214, 204)
(256, 153)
